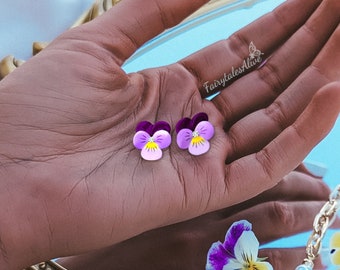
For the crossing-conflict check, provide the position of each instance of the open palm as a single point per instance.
(68, 117)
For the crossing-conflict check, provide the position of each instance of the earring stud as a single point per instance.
(194, 134)
(151, 139)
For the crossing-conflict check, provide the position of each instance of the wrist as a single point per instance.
(24, 235)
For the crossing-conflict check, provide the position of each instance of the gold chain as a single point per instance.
(322, 221)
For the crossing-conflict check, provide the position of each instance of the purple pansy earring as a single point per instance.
(151, 139)
(194, 134)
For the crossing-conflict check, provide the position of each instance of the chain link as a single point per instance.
(322, 221)
(50, 265)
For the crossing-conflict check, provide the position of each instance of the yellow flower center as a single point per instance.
(151, 145)
(248, 264)
(197, 139)
(251, 266)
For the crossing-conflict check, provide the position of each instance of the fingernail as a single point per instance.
(316, 168)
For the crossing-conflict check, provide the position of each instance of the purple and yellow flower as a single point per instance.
(151, 139)
(239, 250)
(194, 134)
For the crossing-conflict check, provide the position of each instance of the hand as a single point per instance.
(287, 209)
(68, 116)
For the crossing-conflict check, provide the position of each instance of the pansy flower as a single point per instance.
(239, 250)
(151, 139)
(194, 134)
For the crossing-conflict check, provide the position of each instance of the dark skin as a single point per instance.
(75, 182)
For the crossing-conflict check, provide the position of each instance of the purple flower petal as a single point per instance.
(182, 124)
(191, 123)
(151, 129)
(184, 137)
(198, 146)
(217, 257)
(162, 138)
(234, 233)
(145, 126)
(205, 129)
(199, 117)
(151, 151)
(161, 125)
(140, 139)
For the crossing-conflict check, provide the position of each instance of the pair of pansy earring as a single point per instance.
(192, 134)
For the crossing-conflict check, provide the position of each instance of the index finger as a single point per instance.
(131, 23)
(214, 65)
